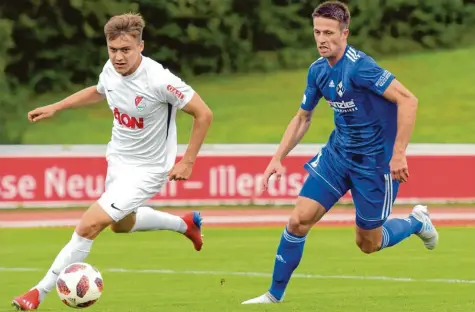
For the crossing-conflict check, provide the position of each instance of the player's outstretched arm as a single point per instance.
(296, 129)
(294, 133)
(202, 118)
(369, 75)
(299, 125)
(406, 118)
(84, 97)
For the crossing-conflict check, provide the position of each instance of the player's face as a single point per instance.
(329, 36)
(124, 53)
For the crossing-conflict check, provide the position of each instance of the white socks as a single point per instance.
(75, 251)
(149, 219)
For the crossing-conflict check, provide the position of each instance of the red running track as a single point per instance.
(235, 217)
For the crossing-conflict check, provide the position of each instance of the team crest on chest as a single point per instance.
(340, 89)
(139, 103)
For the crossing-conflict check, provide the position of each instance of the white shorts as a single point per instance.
(127, 189)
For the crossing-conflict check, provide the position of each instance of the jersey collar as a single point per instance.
(340, 61)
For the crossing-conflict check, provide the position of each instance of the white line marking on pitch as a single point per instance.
(258, 274)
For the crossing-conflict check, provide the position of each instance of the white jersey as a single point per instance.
(144, 106)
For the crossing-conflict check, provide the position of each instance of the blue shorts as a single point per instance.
(373, 194)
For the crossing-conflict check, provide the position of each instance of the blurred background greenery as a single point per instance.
(247, 58)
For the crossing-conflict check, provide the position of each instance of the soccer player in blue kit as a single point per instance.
(374, 118)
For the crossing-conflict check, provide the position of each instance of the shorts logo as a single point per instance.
(139, 104)
(113, 206)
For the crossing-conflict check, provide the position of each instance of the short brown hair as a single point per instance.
(129, 23)
(335, 10)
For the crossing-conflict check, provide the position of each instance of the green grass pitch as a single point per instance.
(339, 274)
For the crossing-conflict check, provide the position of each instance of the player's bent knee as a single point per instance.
(89, 230)
(119, 229)
(368, 246)
(298, 226)
(305, 214)
(93, 222)
(368, 240)
(125, 225)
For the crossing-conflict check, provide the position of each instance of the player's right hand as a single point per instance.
(398, 167)
(43, 112)
(274, 167)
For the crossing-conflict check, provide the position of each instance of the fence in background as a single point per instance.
(66, 176)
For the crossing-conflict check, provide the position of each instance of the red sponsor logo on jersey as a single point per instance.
(175, 92)
(128, 121)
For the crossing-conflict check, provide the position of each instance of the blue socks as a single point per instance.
(396, 230)
(291, 247)
(288, 257)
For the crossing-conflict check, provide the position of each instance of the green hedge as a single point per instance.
(61, 41)
(57, 42)
(53, 44)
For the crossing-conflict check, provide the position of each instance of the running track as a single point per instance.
(234, 217)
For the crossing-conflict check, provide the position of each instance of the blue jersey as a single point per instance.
(365, 122)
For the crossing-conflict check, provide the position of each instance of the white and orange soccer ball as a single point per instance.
(79, 285)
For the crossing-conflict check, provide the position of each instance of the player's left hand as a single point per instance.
(398, 167)
(181, 171)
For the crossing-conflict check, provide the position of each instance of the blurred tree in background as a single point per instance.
(13, 97)
(50, 45)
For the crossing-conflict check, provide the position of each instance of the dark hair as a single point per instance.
(335, 10)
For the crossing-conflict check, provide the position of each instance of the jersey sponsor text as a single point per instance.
(128, 121)
(342, 106)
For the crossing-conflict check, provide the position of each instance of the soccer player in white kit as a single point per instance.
(143, 97)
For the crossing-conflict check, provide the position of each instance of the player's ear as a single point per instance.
(346, 32)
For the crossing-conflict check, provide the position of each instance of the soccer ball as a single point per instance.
(79, 285)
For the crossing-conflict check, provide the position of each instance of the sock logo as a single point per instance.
(280, 259)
